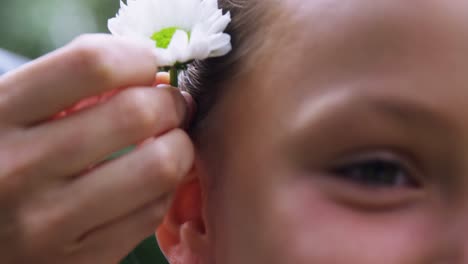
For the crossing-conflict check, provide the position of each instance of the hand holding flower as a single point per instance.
(55, 210)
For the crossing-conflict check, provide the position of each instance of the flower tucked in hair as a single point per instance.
(179, 30)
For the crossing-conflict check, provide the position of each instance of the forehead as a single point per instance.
(385, 15)
(412, 47)
(368, 32)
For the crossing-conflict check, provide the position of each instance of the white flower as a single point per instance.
(179, 30)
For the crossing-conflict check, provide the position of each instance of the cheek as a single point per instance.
(308, 227)
(263, 214)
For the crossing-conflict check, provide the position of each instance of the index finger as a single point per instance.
(90, 65)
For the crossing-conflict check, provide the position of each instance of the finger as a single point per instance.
(88, 66)
(72, 144)
(163, 78)
(112, 242)
(192, 107)
(121, 186)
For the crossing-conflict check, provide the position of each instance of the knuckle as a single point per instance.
(85, 51)
(47, 222)
(166, 164)
(26, 160)
(88, 54)
(15, 165)
(40, 224)
(134, 112)
(170, 105)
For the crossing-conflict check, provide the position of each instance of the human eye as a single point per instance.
(376, 172)
(374, 180)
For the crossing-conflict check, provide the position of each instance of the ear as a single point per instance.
(182, 235)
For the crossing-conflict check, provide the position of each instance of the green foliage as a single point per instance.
(33, 28)
(145, 253)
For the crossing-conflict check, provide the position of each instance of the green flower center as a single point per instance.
(163, 37)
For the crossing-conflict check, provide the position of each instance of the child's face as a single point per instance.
(348, 142)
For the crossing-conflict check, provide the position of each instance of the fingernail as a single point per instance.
(163, 86)
(163, 78)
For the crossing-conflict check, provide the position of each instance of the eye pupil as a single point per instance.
(376, 173)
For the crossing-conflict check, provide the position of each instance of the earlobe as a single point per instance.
(182, 235)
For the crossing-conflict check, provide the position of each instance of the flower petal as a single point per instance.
(202, 19)
(163, 57)
(220, 45)
(220, 24)
(179, 46)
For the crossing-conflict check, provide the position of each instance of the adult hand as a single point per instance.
(53, 209)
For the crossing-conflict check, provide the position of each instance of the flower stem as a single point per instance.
(174, 75)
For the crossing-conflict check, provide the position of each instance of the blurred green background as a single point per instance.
(34, 27)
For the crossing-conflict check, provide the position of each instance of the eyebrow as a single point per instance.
(410, 114)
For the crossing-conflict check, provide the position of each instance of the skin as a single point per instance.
(366, 80)
(59, 203)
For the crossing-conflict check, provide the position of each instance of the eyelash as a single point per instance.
(376, 172)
